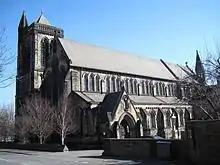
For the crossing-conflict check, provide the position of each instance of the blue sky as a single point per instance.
(171, 29)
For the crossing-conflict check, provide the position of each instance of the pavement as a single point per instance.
(87, 157)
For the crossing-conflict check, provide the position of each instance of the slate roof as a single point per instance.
(141, 99)
(91, 97)
(84, 96)
(90, 56)
(145, 99)
(172, 100)
(111, 101)
(109, 105)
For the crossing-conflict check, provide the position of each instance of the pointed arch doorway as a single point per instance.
(127, 127)
(160, 124)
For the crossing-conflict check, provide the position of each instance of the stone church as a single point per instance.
(114, 93)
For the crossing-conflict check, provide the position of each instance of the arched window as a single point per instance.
(151, 88)
(157, 88)
(174, 88)
(44, 51)
(131, 86)
(169, 90)
(143, 87)
(163, 89)
(147, 87)
(97, 83)
(168, 119)
(127, 85)
(108, 84)
(92, 82)
(176, 121)
(86, 82)
(113, 83)
(135, 86)
(181, 118)
(122, 84)
(153, 119)
(118, 84)
(187, 115)
(160, 89)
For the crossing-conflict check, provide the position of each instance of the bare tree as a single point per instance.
(64, 119)
(201, 97)
(7, 123)
(23, 126)
(6, 58)
(40, 115)
(205, 95)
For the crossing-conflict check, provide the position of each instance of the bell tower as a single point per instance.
(34, 42)
(43, 33)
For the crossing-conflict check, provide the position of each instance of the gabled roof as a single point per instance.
(90, 56)
(91, 97)
(109, 105)
(111, 101)
(43, 20)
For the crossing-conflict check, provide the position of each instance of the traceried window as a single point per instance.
(153, 119)
(108, 84)
(86, 82)
(97, 83)
(92, 82)
(44, 51)
(168, 119)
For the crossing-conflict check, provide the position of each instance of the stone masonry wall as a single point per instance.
(204, 138)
